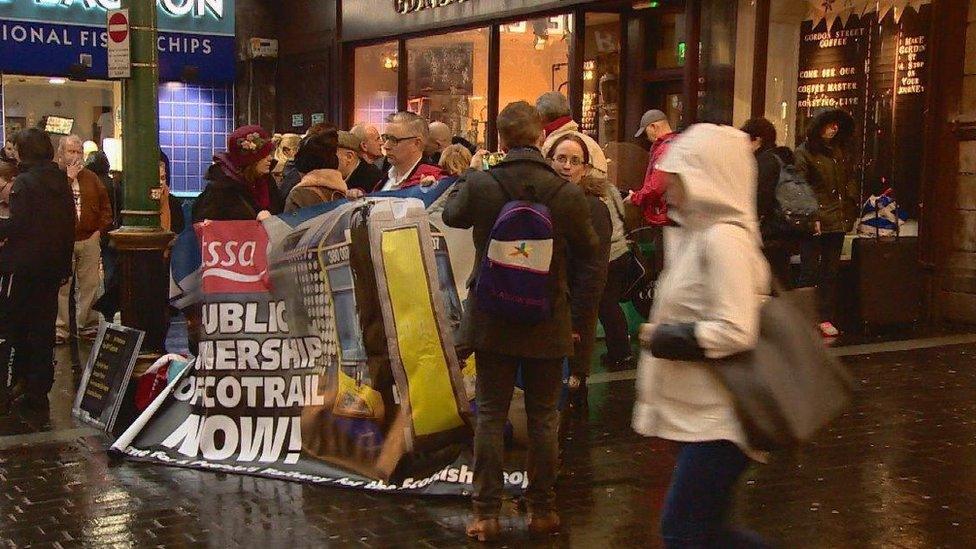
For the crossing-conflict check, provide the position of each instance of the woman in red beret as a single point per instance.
(239, 181)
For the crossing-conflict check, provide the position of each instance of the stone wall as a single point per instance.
(307, 81)
(255, 90)
(959, 282)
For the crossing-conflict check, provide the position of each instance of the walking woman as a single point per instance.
(706, 306)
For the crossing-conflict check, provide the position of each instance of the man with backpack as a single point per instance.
(785, 203)
(526, 220)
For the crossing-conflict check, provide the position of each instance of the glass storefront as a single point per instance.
(612, 59)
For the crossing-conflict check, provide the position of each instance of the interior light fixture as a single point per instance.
(391, 61)
(540, 42)
(57, 81)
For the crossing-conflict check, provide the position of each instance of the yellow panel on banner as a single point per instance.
(429, 383)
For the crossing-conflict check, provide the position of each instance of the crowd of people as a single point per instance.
(708, 201)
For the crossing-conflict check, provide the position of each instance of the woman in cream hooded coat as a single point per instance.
(706, 306)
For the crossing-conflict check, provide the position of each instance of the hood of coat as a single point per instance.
(718, 171)
(46, 177)
(98, 163)
(325, 178)
(844, 134)
(223, 172)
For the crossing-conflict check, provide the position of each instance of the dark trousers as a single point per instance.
(820, 267)
(611, 315)
(29, 311)
(778, 252)
(697, 506)
(542, 380)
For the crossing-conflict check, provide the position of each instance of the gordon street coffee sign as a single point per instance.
(404, 7)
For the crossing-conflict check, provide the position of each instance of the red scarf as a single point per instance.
(260, 192)
(556, 124)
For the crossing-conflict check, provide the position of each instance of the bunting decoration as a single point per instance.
(832, 10)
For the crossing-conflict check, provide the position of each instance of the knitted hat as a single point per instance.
(248, 145)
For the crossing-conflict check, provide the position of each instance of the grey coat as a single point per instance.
(475, 202)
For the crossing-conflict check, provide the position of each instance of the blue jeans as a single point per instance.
(697, 506)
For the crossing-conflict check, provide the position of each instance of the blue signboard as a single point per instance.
(46, 37)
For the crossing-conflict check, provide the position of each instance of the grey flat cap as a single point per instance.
(649, 118)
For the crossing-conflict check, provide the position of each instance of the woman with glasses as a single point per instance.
(570, 158)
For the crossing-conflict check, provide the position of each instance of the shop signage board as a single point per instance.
(119, 53)
(367, 19)
(107, 374)
(47, 37)
(877, 71)
(297, 120)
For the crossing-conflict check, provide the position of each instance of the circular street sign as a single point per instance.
(118, 27)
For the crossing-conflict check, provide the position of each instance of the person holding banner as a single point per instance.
(502, 347)
(239, 182)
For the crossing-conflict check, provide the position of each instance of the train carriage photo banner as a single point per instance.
(327, 351)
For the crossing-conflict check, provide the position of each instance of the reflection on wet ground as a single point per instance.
(898, 470)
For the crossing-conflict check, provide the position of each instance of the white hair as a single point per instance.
(552, 105)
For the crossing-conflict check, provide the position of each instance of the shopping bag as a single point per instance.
(790, 386)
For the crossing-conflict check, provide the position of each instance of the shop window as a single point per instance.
(194, 122)
(717, 72)
(447, 81)
(664, 40)
(601, 77)
(534, 59)
(375, 89)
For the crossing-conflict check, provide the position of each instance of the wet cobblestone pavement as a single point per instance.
(898, 470)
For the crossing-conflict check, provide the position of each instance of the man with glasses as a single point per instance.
(403, 144)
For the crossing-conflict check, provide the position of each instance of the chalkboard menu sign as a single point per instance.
(107, 374)
(877, 71)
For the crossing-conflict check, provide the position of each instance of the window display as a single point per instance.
(534, 59)
(447, 81)
(375, 89)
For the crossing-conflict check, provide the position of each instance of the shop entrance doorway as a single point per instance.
(62, 107)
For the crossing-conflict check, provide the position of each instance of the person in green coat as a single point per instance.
(825, 162)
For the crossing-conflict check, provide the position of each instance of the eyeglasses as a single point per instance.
(574, 161)
(394, 140)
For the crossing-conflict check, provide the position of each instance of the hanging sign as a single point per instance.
(119, 51)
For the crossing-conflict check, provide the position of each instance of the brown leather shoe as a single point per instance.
(544, 524)
(484, 529)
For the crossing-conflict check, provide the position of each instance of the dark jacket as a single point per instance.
(588, 277)
(225, 198)
(475, 202)
(98, 163)
(364, 177)
(40, 231)
(828, 168)
(768, 162)
(290, 176)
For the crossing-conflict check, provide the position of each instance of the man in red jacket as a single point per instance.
(650, 197)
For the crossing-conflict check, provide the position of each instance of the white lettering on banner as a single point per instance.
(219, 437)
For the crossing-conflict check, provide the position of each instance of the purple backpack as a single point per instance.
(514, 282)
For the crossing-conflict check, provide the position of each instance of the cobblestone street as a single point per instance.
(898, 470)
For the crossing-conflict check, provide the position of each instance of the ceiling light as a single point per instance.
(56, 81)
